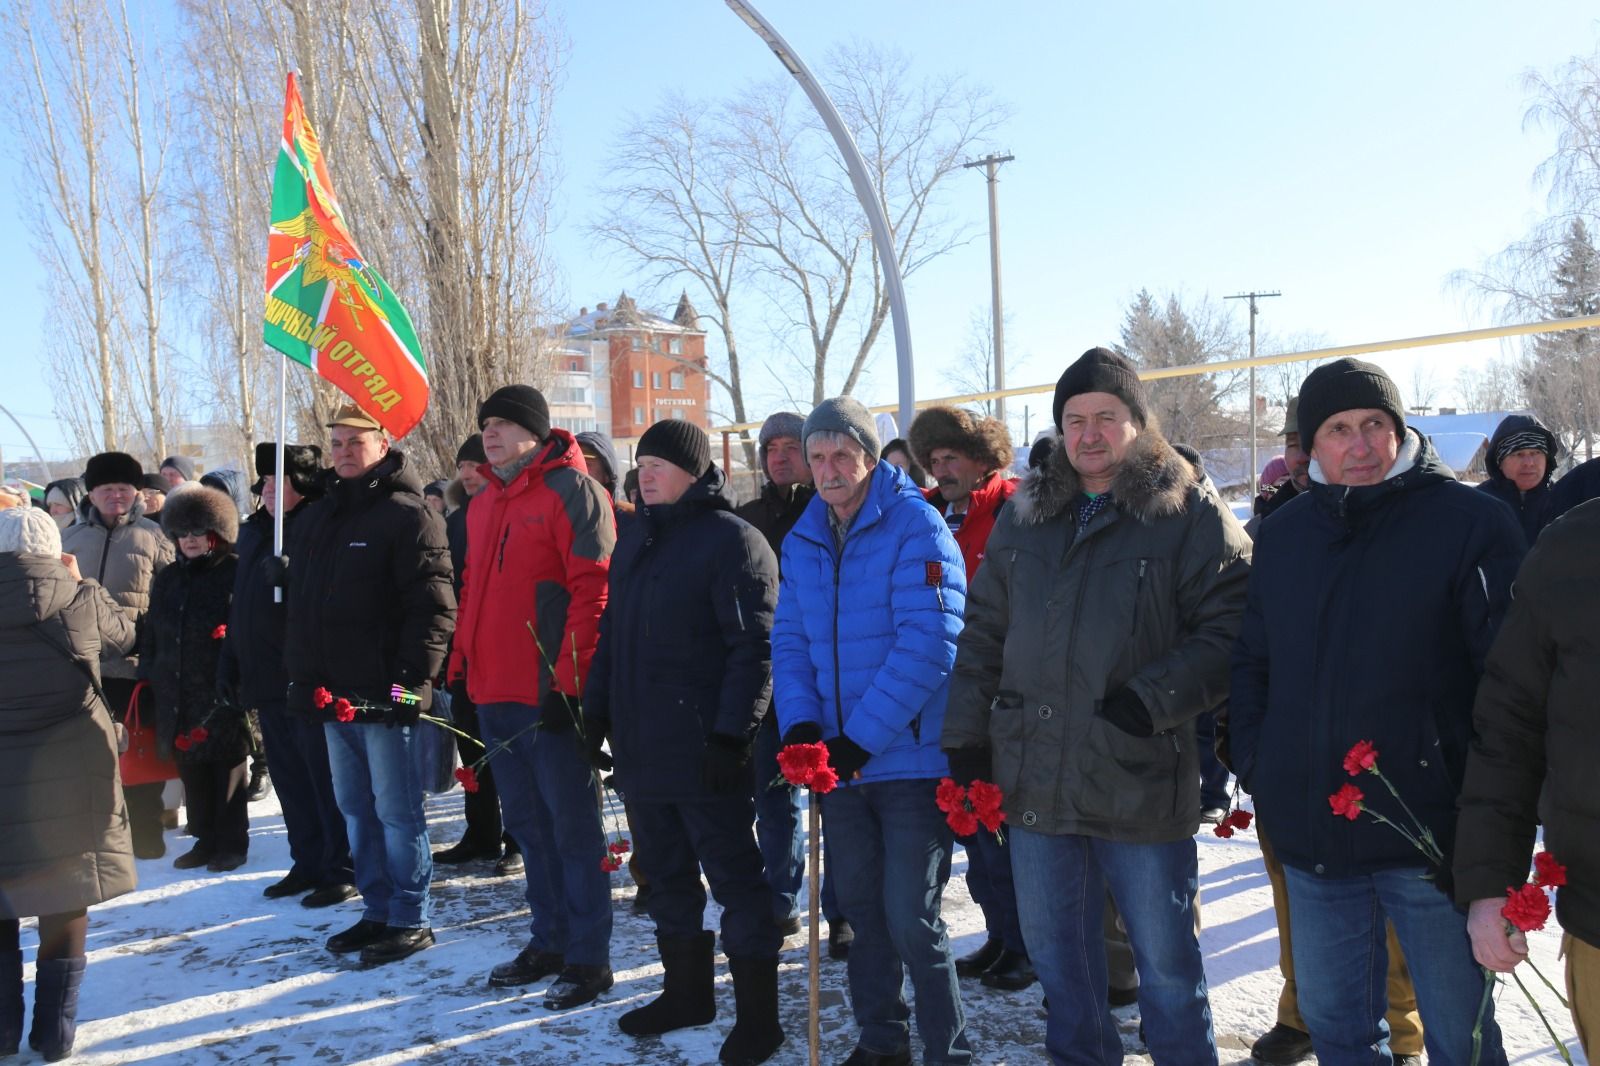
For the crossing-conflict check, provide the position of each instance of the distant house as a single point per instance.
(1462, 440)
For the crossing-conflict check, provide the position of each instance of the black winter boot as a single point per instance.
(757, 1032)
(688, 994)
(10, 1002)
(55, 1007)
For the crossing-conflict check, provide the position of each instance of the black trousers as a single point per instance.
(219, 814)
(676, 841)
(485, 830)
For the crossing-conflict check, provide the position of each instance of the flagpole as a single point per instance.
(277, 479)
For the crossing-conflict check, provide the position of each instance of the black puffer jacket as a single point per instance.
(776, 510)
(1534, 508)
(685, 642)
(1534, 756)
(1371, 610)
(178, 654)
(1578, 485)
(370, 602)
(252, 656)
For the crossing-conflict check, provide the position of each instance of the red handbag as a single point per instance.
(141, 763)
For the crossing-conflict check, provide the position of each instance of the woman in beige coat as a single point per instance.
(64, 842)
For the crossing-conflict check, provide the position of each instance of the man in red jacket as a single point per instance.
(970, 458)
(539, 540)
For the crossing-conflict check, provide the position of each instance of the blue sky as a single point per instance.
(1351, 156)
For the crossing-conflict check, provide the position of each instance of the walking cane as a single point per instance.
(813, 1025)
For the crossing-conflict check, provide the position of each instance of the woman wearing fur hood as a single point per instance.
(181, 643)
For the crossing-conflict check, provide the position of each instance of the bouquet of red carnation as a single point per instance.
(1236, 819)
(614, 853)
(967, 808)
(185, 741)
(1526, 910)
(806, 766)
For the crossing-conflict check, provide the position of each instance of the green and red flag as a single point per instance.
(326, 307)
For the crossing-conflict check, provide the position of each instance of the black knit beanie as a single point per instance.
(1346, 385)
(471, 450)
(683, 444)
(112, 468)
(1101, 370)
(522, 404)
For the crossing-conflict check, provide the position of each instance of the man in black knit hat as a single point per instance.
(1374, 599)
(1087, 724)
(539, 540)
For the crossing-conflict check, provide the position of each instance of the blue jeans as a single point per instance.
(375, 781)
(552, 811)
(297, 758)
(1341, 965)
(992, 888)
(892, 848)
(1061, 889)
(778, 828)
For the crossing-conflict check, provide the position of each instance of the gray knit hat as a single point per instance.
(844, 414)
(781, 424)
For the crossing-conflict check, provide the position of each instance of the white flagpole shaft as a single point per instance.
(277, 479)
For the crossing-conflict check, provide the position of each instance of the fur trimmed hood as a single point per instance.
(1154, 482)
(201, 507)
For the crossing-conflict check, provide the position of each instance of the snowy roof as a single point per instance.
(1480, 422)
(1458, 450)
(625, 314)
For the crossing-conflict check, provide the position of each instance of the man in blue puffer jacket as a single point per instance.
(869, 608)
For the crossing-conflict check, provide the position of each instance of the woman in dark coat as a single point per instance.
(179, 647)
(680, 681)
(64, 843)
(1522, 460)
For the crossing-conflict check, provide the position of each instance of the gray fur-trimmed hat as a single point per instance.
(204, 508)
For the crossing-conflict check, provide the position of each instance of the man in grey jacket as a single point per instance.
(122, 550)
(1097, 629)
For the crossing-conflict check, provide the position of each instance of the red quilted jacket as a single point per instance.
(982, 507)
(538, 552)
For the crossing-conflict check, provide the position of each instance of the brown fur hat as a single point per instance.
(201, 508)
(981, 439)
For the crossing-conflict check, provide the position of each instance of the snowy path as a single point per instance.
(199, 968)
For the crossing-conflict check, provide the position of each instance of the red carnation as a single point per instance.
(824, 780)
(468, 778)
(1362, 757)
(1241, 819)
(964, 823)
(618, 847)
(321, 698)
(610, 864)
(950, 796)
(1547, 872)
(344, 710)
(1527, 907)
(183, 743)
(1224, 829)
(1346, 802)
(219, 632)
(199, 734)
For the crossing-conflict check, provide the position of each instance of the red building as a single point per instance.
(650, 368)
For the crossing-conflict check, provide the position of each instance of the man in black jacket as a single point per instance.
(784, 495)
(370, 613)
(1533, 758)
(1373, 600)
(1522, 459)
(251, 674)
(680, 681)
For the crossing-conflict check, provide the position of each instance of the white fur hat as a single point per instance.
(29, 531)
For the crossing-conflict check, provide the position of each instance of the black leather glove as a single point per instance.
(558, 712)
(406, 712)
(594, 739)
(722, 767)
(1125, 710)
(802, 733)
(846, 756)
(970, 764)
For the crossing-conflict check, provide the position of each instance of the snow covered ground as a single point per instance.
(199, 968)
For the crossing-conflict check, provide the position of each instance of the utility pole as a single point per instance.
(1255, 469)
(991, 165)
